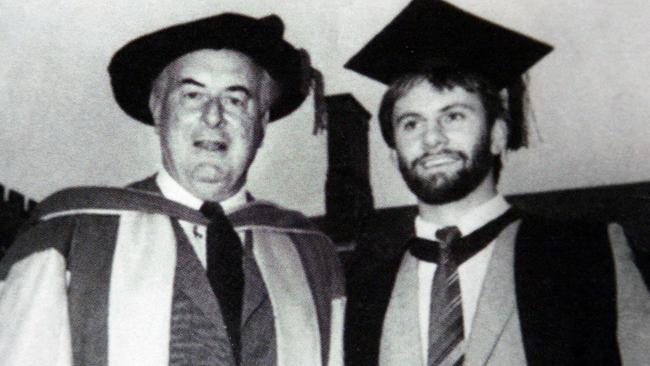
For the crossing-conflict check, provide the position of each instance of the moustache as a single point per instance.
(445, 153)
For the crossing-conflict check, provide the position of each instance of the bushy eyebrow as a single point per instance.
(191, 81)
(404, 116)
(239, 88)
(234, 88)
(444, 109)
(458, 105)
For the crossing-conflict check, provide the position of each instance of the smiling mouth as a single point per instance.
(434, 161)
(211, 145)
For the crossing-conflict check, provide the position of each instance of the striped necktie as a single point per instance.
(446, 338)
(446, 343)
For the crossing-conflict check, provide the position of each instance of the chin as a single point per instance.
(208, 191)
(442, 188)
(218, 190)
(439, 196)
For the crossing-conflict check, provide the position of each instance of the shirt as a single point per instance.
(194, 232)
(471, 273)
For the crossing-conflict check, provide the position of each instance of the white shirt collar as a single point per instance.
(467, 223)
(175, 192)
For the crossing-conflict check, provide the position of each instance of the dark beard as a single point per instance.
(440, 188)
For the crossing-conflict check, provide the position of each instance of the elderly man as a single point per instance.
(185, 267)
(480, 283)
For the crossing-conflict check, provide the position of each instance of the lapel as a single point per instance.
(400, 341)
(191, 276)
(193, 282)
(496, 304)
(255, 293)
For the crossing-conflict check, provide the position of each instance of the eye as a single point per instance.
(192, 98)
(192, 95)
(453, 116)
(233, 100)
(409, 125)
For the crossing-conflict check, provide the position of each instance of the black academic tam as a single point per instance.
(136, 65)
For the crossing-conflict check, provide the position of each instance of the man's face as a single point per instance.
(443, 143)
(210, 108)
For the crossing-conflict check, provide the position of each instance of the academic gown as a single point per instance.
(554, 294)
(91, 279)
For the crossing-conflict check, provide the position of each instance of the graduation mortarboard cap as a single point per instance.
(433, 33)
(136, 65)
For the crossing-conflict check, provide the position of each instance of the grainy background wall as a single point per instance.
(59, 125)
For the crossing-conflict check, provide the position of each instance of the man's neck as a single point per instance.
(446, 214)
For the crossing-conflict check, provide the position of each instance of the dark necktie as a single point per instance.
(225, 271)
(446, 335)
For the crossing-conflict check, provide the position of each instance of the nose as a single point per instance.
(434, 136)
(213, 114)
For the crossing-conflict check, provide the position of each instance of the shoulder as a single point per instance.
(111, 201)
(66, 206)
(91, 199)
(76, 199)
(55, 237)
(264, 215)
(78, 213)
(569, 253)
(316, 250)
(267, 217)
(571, 235)
(271, 219)
(591, 239)
(565, 227)
(583, 248)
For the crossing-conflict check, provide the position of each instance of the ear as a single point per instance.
(499, 135)
(155, 107)
(265, 119)
(393, 157)
(263, 122)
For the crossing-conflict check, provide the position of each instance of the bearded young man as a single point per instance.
(184, 267)
(481, 283)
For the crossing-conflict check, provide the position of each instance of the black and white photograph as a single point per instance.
(326, 183)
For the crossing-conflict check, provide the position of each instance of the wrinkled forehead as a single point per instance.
(218, 69)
